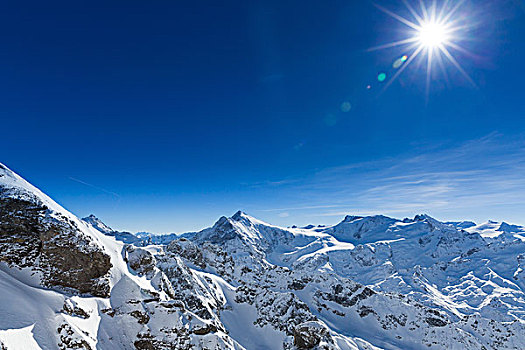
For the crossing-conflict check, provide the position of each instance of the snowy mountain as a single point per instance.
(139, 239)
(366, 283)
(98, 224)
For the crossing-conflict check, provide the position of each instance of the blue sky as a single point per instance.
(163, 116)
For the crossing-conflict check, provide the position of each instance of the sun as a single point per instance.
(433, 36)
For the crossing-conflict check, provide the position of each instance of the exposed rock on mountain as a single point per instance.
(365, 283)
(34, 237)
(98, 224)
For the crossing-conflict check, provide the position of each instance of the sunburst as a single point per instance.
(433, 35)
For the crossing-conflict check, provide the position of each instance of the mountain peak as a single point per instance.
(423, 217)
(266, 275)
(10, 180)
(432, 223)
(238, 215)
(243, 217)
(461, 225)
(13, 185)
(372, 218)
(98, 224)
(505, 227)
(350, 218)
(358, 229)
(248, 220)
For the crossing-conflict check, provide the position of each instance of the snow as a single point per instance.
(239, 320)
(366, 283)
(19, 339)
(494, 229)
(98, 224)
(28, 311)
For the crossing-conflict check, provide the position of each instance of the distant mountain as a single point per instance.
(462, 224)
(98, 224)
(139, 239)
(369, 282)
(499, 230)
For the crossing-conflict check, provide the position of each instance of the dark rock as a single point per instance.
(208, 328)
(435, 322)
(74, 311)
(365, 310)
(70, 340)
(30, 237)
(309, 335)
(142, 317)
(144, 344)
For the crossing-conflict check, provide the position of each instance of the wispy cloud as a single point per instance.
(477, 178)
(303, 207)
(272, 183)
(95, 187)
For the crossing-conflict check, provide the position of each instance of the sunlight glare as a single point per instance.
(432, 34)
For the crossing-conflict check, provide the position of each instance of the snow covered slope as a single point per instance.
(365, 283)
(69, 286)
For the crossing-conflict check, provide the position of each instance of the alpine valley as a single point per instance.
(366, 283)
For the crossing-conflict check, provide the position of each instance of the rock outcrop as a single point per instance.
(366, 283)
(52, 246)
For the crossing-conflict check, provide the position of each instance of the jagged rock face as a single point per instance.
(285, 299)
(223, 231)
(309, 335)
(68, 340)
(20, 232)
(367, 283)
(56, 249)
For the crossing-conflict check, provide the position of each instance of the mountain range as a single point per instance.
(371, 282)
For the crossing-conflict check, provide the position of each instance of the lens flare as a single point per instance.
(399, 62)
(346, 106)
(433, 36)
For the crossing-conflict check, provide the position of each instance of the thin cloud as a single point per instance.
(270, 183)
(303, 208)
(95, 187)
(482, 175)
